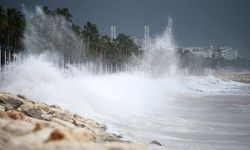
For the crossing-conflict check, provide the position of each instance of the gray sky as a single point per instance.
(196, 22)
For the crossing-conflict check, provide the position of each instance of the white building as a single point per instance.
(146, 42)
(227, 53)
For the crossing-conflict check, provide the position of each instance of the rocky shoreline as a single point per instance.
(27, 124)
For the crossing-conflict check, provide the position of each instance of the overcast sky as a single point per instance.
(196, 22)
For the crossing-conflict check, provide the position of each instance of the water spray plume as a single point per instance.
(160, 59)
(51, 33)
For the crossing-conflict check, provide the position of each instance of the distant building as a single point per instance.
(227, 53)
(198, 51)
(216, 52)
(146, 42)
(113, 34)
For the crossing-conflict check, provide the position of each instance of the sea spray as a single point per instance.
(46, 33)
(83, 92)
(160, 59)
(53, 34)
(118, 92)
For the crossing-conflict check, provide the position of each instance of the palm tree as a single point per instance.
(91, 38)
(3, 24)
(76, 29)
(47, 11)
(126, 47)
(110, 50)
(15, 28)
(65, 13)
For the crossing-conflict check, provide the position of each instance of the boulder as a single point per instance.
(42, 106)
(12, 101)
(15, 115)
(27, 106)
(56, 135)
(35, 113)
(156, 142)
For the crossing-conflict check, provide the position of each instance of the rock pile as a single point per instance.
(27, 124)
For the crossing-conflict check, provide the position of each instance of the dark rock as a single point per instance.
(35, 113)
(75, 115)
(8, 107)
(12, 101)
(156, 142)
(21, 96)
(2, 100)
(118, 136)
(55, 106)
(78, 124)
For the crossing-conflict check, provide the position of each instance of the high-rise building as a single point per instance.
(113, 32)
(146, 38)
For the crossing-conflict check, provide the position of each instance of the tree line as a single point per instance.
(97, 47)
(12, 26)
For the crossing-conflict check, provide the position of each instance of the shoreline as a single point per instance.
(238, 77)
(28, 124)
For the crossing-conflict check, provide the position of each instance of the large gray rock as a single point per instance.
(35, 113)
(15, 103)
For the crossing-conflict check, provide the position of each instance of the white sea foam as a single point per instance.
(39, 79)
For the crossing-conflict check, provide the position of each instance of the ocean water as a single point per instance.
(181, 112)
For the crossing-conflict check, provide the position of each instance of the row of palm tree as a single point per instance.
(98, 47)
(109, 50)
(12, 25)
